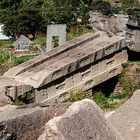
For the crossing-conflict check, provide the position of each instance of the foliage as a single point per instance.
(102, 6)
(6, 43)
(4, 56)
(134, 13)
(26, 98)
(119, 96)
(75, 96)
(20, 17)
(100, 99)
(76, 31)
(19, 60)
(124, 65)
(66, 11)
(32, 16)
(126, 82)
(112, 102)
(41, 40)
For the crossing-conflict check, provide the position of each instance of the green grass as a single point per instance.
(112, 102)
(6, 43)
(76, 31)
(22, 59)
(4, 56)
(41, 40)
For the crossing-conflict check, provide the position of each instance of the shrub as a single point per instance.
(75, 96)
(101, 100)
(125, 81)
(26, 98)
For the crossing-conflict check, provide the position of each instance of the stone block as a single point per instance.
(70, 82)
(119, 57)
(102, 66)
(126, 119)
(125, 55)
(27, 122)
(95, 69)
(83, 120)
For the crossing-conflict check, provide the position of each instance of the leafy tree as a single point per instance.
(21, 16)
(66, 11)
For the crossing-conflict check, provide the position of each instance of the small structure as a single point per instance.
(54, 31)
(22, 43)
(2, 36)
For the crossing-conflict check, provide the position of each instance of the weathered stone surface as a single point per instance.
(27, 122)
(126, 119)
(83, 120)
(108, 26)
(132, 35)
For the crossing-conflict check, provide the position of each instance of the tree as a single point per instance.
(66, 11)
(21, 16)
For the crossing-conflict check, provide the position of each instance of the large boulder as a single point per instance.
(83, 120)
(126, 119)
(27, 122)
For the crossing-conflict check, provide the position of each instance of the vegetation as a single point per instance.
(31, 17)
(111, 102)
(75, 96)
(19, 60)
(24, 99)
(6, 56)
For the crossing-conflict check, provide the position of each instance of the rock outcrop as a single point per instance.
(27, 122)
(83, 120)
(126, 119)
(114, 25)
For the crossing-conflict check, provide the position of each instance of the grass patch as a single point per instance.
(4, 56)
(76, 31)
(22, 59)
(126, 82)
(6, 43)
(112, 102)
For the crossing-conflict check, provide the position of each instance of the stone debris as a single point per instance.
(126, 119)
(83, 120)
